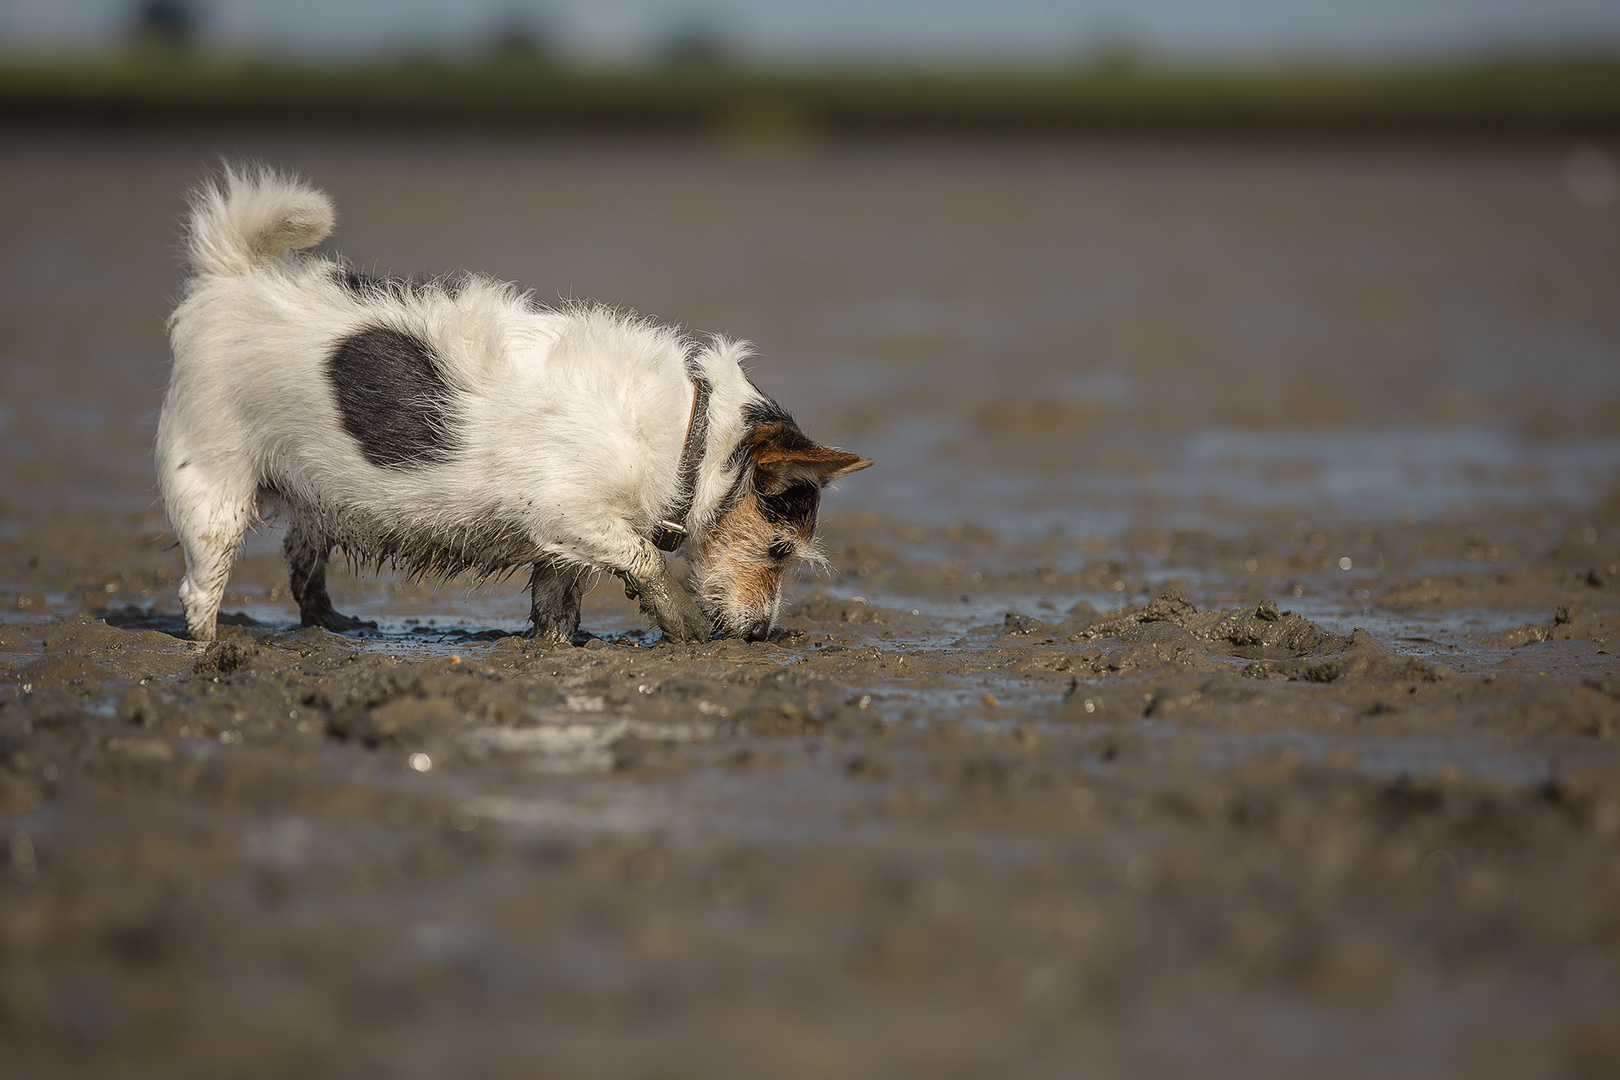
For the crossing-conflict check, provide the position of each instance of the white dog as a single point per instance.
(454, 424)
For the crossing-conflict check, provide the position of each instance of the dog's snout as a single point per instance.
(758, 630)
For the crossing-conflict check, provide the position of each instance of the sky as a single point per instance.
(621, 31)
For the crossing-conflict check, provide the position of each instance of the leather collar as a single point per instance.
(670, 531)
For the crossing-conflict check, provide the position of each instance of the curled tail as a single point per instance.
(251, 215)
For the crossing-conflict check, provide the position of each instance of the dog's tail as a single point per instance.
(252, 214)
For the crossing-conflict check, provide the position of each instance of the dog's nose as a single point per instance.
(758, 630)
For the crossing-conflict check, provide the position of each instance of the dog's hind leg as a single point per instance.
(210, 517)
(555, 590)
(307, 553)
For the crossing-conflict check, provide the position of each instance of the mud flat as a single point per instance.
(1217, 675)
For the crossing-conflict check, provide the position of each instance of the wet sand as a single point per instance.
(1216, 676)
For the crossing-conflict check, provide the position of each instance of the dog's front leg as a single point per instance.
(610, 544)
(662, 599)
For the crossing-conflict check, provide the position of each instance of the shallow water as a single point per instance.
(1008, 794)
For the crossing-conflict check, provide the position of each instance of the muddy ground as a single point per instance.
(1217, 675)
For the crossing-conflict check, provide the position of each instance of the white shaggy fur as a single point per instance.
(570, 421)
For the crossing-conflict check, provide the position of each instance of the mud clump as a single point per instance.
(1571, 622)
(1170, 632)
(223, 657)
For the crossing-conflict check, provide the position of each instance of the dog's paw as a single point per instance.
(676, 614)
(552, 637)
(669, 607)
(689, 626)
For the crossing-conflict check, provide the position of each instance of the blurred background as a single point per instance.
(762, 32)
(841, 64)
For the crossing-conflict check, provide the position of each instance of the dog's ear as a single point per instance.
(781, 460)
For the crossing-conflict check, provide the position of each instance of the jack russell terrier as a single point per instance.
(454, 424)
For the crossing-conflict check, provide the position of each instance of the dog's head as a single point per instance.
(767, 524)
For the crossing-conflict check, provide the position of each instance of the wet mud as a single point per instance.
(1175, 704)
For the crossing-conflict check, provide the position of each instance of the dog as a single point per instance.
(454, 424)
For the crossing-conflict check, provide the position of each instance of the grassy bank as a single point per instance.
(1498, 97)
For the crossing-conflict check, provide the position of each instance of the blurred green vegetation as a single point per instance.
(701, 90)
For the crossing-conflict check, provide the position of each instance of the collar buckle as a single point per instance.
(668, 535)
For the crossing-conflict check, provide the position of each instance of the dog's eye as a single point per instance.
(781, 551)
(795, 507)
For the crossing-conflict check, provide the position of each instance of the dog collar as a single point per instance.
(668, 534)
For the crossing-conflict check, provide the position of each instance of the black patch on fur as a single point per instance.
(794, 506)
(391, 390)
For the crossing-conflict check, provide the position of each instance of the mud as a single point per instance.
(1216, 676)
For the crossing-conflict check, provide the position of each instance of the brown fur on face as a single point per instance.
(739, 580)
(741, 559)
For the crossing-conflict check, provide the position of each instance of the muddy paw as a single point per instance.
(687, 623)
(673, 611)
(552, 637)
